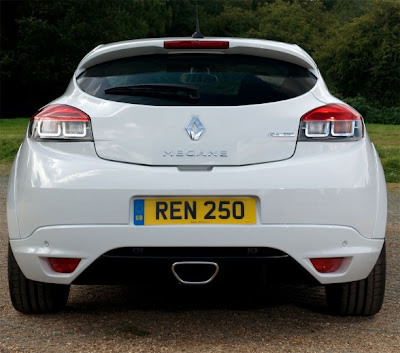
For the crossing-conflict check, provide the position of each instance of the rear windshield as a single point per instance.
(196, 79)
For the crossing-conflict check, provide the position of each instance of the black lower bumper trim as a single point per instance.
(153, 265)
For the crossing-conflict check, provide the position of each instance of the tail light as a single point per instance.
(61, 122)
(196, 44)
(331, 122)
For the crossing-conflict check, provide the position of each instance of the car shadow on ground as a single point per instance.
(176, 298)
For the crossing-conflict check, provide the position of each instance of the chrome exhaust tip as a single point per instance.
(186, 263)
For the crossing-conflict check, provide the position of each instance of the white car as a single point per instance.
(186, 159)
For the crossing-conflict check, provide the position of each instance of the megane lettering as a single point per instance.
(193, 153)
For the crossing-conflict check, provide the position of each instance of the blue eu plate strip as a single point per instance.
(138, 212)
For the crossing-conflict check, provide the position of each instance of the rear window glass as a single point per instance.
(196, 79)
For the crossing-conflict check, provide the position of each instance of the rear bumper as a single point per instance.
(328, 200)
(298, 241)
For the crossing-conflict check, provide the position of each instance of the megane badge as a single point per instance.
(195, 128)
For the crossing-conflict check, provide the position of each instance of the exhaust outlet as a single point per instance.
(183, 268)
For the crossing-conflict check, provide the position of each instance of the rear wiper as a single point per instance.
(158, 90)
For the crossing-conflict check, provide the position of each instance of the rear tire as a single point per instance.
(31, 297)
(359, 298)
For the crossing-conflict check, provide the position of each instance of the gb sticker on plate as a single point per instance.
(138, 212)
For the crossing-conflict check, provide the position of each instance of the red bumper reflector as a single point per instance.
(64, 265)
(327, 265)
(196, 44)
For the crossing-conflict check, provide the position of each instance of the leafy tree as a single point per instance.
(297, 22)
(183, 18)
(233, 22)
(344, 10)
(363, 57)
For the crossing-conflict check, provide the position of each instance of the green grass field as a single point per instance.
(12, 132)
(386, 139)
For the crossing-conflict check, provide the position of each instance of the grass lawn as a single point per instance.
(386, 139)
(12, 132)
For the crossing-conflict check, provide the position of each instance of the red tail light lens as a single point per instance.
(64, 265)
(331, 122)
(61, 122)
(196, 44)
(327, 265)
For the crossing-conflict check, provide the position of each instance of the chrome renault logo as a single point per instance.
(195, 128)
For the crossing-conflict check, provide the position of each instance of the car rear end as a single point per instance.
(190, 158)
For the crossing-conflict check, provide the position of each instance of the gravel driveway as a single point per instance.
(178, 319)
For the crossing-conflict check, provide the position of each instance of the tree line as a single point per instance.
(356, 43)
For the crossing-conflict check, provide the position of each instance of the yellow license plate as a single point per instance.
(202, 210)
